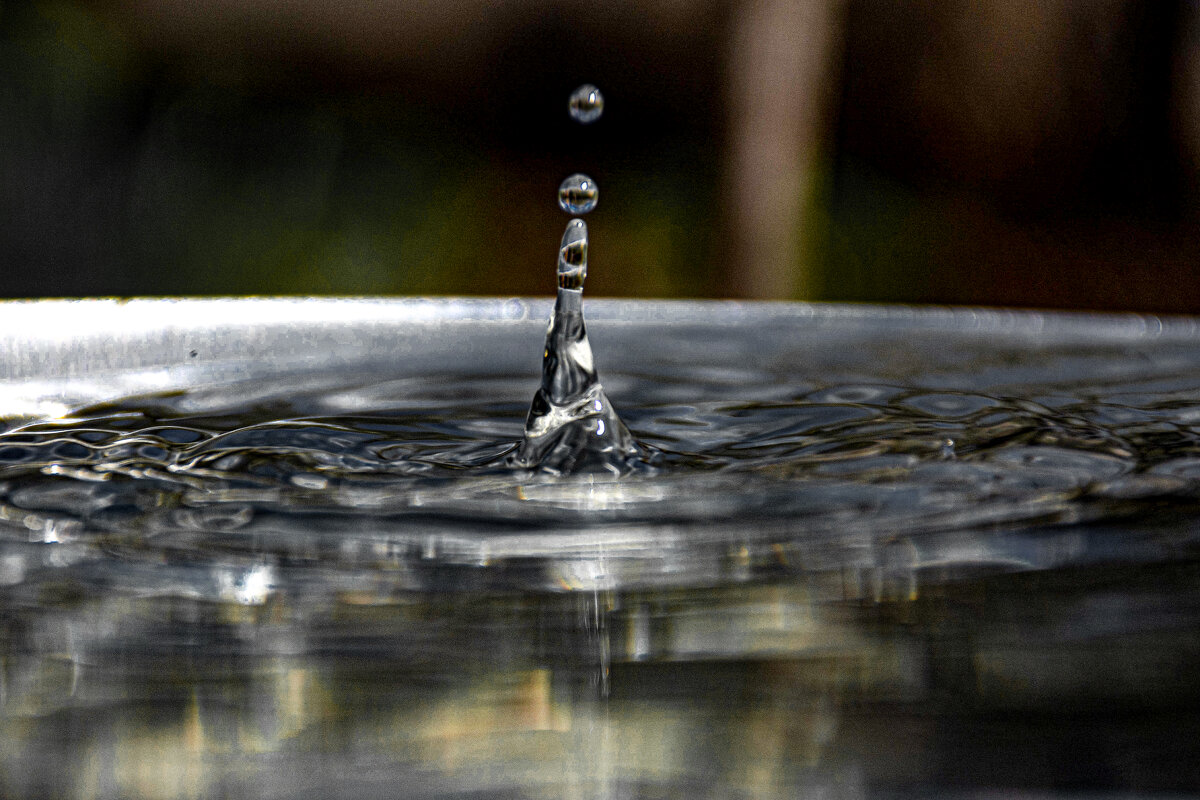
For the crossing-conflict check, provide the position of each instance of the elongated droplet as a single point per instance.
(578, 194)
(572, 426)
(587, 104)
(572, 256)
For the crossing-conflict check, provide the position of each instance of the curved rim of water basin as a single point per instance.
(59, 353)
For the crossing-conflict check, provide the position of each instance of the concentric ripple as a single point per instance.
(842, 462)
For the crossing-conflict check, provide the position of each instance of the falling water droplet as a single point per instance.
(587, 104)
(578, 194)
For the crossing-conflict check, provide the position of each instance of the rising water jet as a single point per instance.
(572, 425)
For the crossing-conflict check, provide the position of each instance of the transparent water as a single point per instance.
(572, 426)
(586, 104)
(578, 194)
(879, 554)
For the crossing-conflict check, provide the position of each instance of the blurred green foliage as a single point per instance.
(134, 166)
(121, 174)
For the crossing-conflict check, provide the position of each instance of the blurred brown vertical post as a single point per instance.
(782, 78)
(1186, 98)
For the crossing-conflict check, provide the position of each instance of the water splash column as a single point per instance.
(572, 425)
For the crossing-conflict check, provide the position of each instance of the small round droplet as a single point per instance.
(578, 194)
(587, 104)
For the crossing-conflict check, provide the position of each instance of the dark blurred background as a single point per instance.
(1017, 152)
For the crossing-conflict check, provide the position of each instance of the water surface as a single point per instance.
(870, 557)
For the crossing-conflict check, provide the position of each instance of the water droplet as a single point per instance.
(578, 194)
(587, 104)
(572, 256)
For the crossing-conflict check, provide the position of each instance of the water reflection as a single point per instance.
(884, 681)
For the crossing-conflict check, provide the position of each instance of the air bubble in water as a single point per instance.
(587, 104)
(578, 194)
